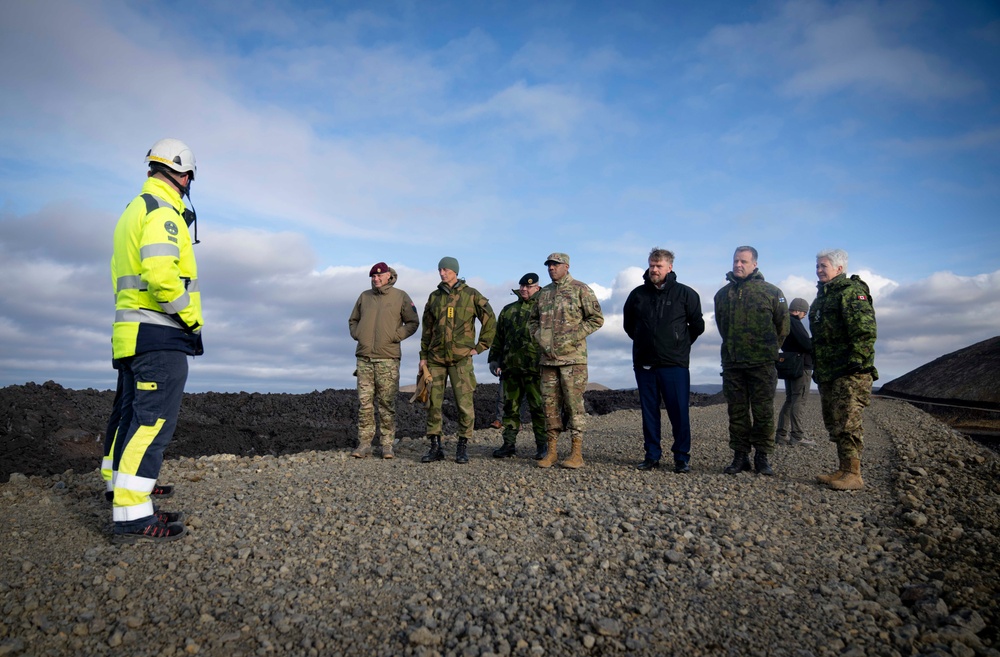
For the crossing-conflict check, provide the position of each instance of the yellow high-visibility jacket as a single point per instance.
(157, 301)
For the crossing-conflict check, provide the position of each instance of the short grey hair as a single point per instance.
(752, 251)
(658, 254)
(837, 257)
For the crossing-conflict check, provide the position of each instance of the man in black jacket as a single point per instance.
(663, 318)
(792, 414)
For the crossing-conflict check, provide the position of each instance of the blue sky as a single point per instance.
(331, 136)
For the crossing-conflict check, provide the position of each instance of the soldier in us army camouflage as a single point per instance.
(514, 357)
(382, 318)
(567, 312)
(752, 317)
(447, 344)
(842, 321)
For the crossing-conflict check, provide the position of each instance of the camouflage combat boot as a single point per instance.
(363, 450)
(575, 458)
(851, 480)
(551, 456)
(834, 476)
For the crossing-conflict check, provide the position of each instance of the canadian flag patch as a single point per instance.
(862, 297)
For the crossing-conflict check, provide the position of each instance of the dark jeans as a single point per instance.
(673, 386)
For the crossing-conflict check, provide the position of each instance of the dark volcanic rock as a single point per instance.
(969, 375)
(47, 429)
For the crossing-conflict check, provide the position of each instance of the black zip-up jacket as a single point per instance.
(663, 323)
(798, 340)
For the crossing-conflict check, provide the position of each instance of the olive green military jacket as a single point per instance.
(513, 349)
(449, 324)
(565, 314)
(752, 317)
(381, 319)
(842, 322)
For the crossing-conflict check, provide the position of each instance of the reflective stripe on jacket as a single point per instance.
(157, 300)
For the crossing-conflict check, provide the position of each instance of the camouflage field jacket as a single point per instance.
(842, 321)
(449, 324)
(513, 349)
(565, 314)
(752, 317)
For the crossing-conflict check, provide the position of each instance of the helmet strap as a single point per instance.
(190, 216)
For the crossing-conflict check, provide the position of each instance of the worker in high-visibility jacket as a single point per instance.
(157, 326)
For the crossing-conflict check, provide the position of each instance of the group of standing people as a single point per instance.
(539, 346)
(754, 323)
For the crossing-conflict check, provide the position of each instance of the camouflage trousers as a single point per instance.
(378, 383)
(463, 384)
(791, 417)
(843, 401)
(562, 390)
(749, 393)
(517, 389)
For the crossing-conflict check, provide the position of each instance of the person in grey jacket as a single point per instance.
(382, 318)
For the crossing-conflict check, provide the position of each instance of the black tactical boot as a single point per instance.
(741, 463)
(761, 465)
(461, 453)
(505, 450)
(435, 453)
(541, 449)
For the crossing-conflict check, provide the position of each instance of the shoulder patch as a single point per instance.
(862, 297)
(170, 227)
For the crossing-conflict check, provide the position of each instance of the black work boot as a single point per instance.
(505, 450)
(541, 449)
(435, 453)
(741, 463)
(761, 465)
(461, 453)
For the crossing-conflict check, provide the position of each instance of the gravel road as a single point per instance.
(320, 554)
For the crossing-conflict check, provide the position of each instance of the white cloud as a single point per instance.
(817, 49)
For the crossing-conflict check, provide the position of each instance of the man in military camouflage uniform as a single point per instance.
(382, 317)
(514, 357)
(752, 317)
(447, 345)
(567, 312)
(842, 320)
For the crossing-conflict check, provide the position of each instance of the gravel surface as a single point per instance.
(316, 553)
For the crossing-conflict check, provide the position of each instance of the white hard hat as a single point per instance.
(174, 154)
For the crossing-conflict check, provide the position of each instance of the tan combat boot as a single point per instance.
(387, 449)
(575, 459)
(552, 455)
(828, 478)
(852, 477)
(364, 449)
